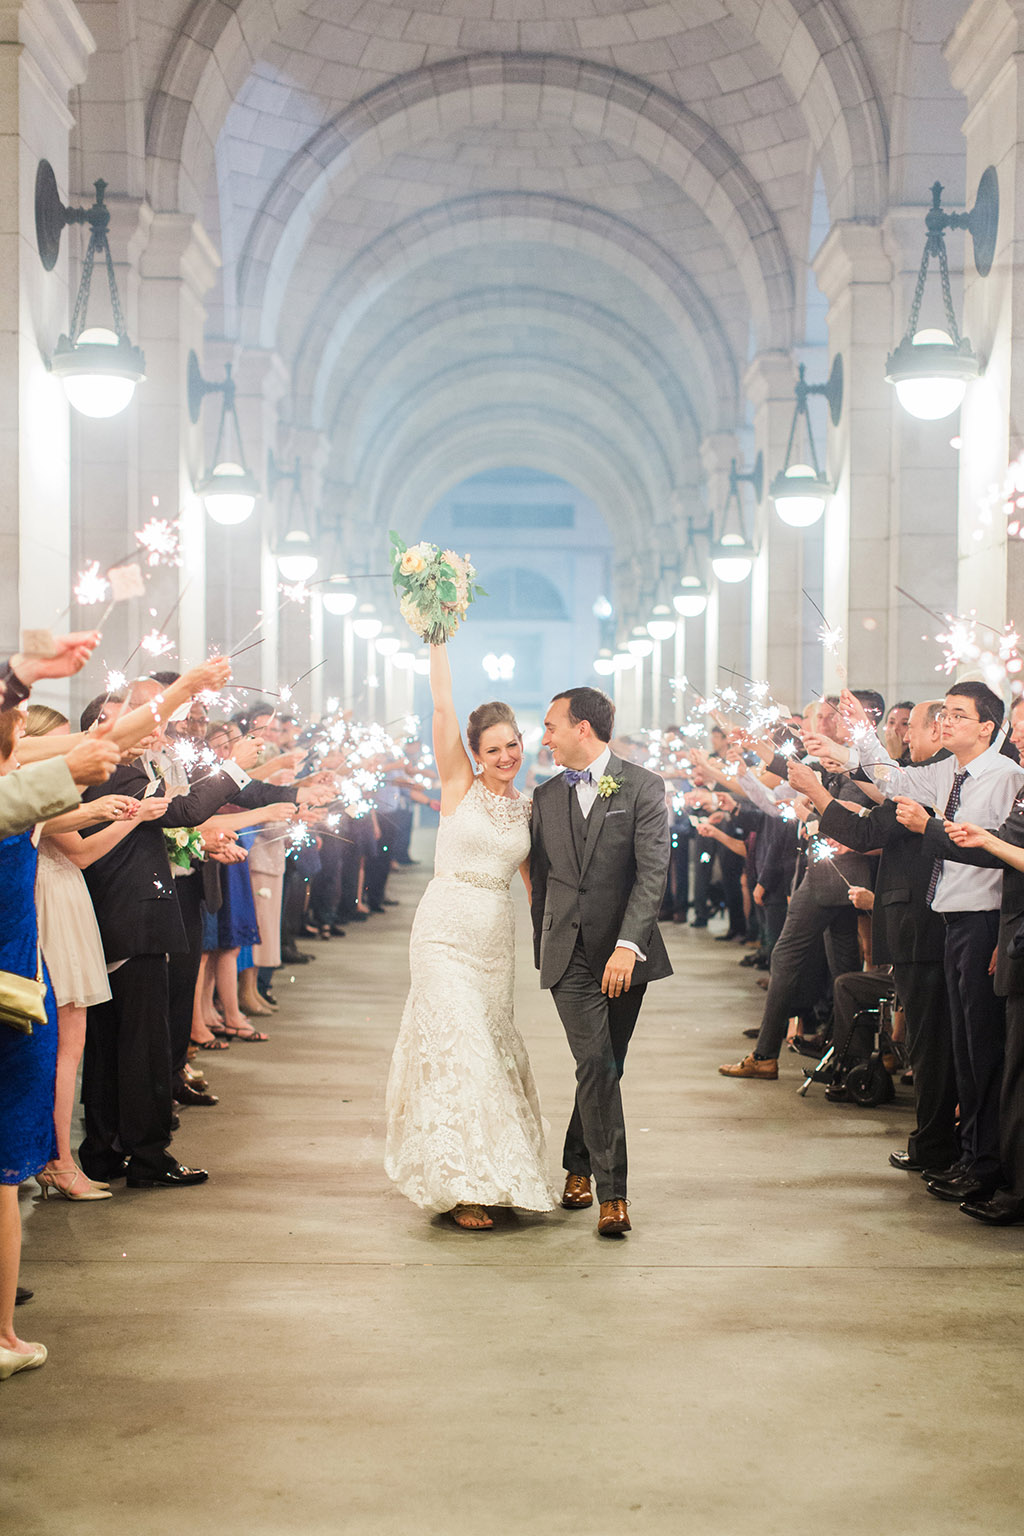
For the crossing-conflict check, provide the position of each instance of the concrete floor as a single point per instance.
(794, 1339)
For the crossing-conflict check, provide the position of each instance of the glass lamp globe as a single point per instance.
(727, 565)
(403, 660)
(99, 372)
(339, 603)
(296, 559)
(388, 645)
(661, 625)
(367, 628)
(421, 665)
(229, 494)
(931, 374)
(639, 646)
(690, 605)
(623, 660)
(799, 495)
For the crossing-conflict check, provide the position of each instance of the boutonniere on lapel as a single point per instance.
(608, 785)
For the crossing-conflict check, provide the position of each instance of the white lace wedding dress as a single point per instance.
(463, 1117)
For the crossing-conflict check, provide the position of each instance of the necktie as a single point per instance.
(952, 806)
(583, 776)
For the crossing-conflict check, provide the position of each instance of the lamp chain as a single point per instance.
(934, 245)
(98, 243)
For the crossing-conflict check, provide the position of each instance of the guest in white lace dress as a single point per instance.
(464, 1128)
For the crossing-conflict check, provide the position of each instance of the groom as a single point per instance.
(598, 868)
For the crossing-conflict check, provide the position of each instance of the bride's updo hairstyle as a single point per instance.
(486, 715)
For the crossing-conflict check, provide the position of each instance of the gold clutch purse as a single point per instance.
(23, 999)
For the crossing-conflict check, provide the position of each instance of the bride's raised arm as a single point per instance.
(453, 764)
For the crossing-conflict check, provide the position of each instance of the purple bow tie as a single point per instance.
(583, 776)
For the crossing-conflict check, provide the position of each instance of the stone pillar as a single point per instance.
(176, 270)
(854, 272)
(243, 588)
(923, 504)
(777, 606)
(44, 54)
(986, 59)
(727, 616)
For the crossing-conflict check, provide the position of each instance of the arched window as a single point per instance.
(517, 593)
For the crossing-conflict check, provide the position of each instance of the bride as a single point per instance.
(464, 1128)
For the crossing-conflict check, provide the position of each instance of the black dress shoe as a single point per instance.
(292, 956)
(904, 1161)
(22, 1295)
(186, 1094)
(337, 932)
(952, 1172)
(103, 1172)
(1005, 1212)
(171, 1176)
(965, 1187)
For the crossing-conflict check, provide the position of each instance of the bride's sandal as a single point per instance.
(471, 1218)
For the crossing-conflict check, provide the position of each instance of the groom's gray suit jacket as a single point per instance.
(614, 890)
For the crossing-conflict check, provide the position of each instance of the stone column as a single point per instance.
(177, 269)
(923, 498)
(986, 58)
(854, 272)
(727, 616)
(777, 606)
(244, 577)
(44, 54)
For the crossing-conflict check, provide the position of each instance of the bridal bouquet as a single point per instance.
(437, 588)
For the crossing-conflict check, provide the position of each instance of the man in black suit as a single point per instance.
(909, 936)
(126, 1073)
(599, 860)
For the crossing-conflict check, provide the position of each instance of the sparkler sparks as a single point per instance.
(90, 587)
(831, 637)
(115, 681)
(156, 644)
(160, 540)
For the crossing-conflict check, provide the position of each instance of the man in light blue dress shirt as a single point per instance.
(977, 783)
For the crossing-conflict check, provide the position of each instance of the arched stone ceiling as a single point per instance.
(583, 220)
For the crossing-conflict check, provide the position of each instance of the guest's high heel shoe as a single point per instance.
(50, 1178)
(11, 1360)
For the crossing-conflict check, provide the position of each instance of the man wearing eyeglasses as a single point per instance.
(976, 783)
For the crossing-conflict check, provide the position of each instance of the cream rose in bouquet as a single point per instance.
(437, 587)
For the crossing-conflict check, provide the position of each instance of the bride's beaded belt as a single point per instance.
(485, 882)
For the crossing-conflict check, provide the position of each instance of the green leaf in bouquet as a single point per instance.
(400, 545)
(447, 591)
(479, 592)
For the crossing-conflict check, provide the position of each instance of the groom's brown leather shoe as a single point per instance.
(576, 1196)
(613, 1218)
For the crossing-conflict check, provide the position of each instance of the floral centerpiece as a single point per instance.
(437, 588)
(183, 845)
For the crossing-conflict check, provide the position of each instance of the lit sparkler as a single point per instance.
(90, 587)
(156, 644)
(160, 540)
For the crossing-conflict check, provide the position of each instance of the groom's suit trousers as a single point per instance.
(598, 1030)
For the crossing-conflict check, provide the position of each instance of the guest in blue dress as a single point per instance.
(28, 1067)
(225, 933)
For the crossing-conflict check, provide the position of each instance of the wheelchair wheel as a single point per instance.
(869, 1084)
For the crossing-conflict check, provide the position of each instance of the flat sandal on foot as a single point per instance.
(471, 1218)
